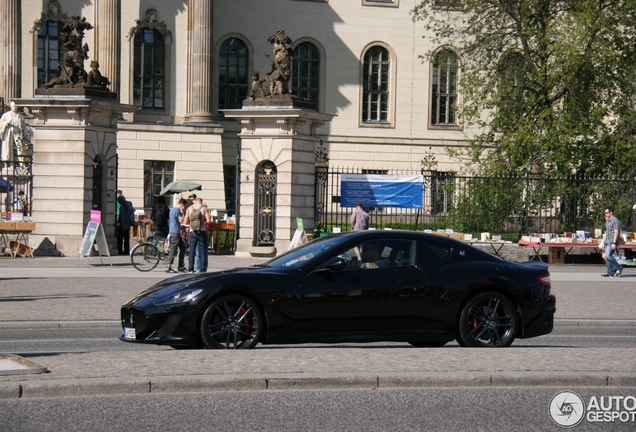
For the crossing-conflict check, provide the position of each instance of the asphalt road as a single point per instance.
(435, 409)
(29, 343)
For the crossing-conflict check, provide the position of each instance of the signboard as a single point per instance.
(381, 190)
(96, 216)
(94, 233)
(300, 237)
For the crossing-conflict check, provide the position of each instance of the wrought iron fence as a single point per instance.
(508, 206)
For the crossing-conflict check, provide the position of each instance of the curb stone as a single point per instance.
(195, 384)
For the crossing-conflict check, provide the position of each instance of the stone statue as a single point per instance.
(95, 77)
(15, 133)
(276, 91)
(71, 67)
(280, 69)
(257, 89)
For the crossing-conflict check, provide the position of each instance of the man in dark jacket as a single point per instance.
(125, 220)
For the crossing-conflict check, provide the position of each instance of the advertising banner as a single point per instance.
(381, 190)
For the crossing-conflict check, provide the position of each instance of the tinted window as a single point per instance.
(379, 254)
(432, 253)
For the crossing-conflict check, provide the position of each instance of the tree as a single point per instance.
(545, 84)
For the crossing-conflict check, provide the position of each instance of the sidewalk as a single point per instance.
(54, 293)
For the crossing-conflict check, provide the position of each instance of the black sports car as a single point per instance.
(365, 286)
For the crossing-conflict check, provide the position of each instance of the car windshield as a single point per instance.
(300, 255)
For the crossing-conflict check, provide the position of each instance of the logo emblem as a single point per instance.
(567, 409)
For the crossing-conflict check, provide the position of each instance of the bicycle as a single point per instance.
(147, 255)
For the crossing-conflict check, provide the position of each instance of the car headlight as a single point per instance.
(183, 296)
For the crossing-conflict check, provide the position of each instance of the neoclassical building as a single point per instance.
(177, 65)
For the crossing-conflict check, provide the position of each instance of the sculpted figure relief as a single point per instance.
(279, 71)
(71, 67)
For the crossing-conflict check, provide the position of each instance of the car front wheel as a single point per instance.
(488, 320)
(231, 322)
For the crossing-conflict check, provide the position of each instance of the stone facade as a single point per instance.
(192, 132)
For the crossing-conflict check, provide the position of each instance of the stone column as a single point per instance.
(108, 46)
(286, 137)
(10, 38)
(200, 62)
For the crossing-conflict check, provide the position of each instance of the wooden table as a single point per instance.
(496, 245)
(557, 251)
(215, 230)
(21, 244)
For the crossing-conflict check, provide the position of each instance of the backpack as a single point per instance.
(195, 219)
(161, 215)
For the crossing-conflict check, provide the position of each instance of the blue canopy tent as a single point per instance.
(5, 186)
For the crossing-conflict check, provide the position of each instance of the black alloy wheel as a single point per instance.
(145, 257)
(488, 320)
(231, 322)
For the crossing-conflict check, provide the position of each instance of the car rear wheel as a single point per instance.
(231, 322)
(488, 320)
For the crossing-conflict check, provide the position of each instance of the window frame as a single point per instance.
(436, 95)
(320, 85)
(142, 77)
(47, 38)
(248, 72)
(442, 187)
(381, 3)
(167, 170)
(390, 85)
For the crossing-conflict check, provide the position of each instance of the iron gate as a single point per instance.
(265, 208)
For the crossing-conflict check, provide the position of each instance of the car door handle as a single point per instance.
(409, 281)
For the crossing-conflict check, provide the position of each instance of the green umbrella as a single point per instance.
(180, 186)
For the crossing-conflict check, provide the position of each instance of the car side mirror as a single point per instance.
(336, 263)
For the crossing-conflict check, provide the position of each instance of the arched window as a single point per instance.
(50, 51)
(149, 74)
(376, 85)
(444, 89)
(510, 87)
(306, 72)
(233, 74)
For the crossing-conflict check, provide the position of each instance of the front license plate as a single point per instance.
(129, 333)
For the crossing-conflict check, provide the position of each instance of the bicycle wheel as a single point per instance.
(145, 257)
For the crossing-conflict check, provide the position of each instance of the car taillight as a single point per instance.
(544, 280)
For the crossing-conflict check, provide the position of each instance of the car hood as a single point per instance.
(191, 280)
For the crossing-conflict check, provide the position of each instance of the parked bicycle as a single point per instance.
(147, 255)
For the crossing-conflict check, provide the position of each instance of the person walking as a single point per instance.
(359, 219)
(160, 216)
(125, 220)
(197, 216)
(175, 219)
(610, 243)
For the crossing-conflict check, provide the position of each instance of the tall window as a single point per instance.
(376, 76)
(149, 80)
(510, 90)
(306, 72)
(444, 92)
(50, 51)
(233, 74)
(157, 175)
(443, 186)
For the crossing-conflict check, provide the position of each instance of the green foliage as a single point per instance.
(549, 83)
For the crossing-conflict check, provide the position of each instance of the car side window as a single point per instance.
(432, 253)
(379, 254)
